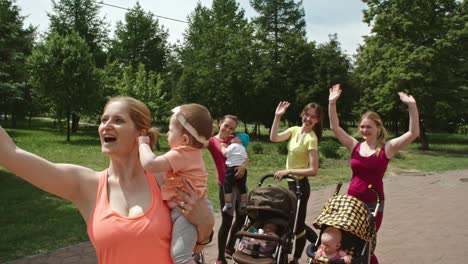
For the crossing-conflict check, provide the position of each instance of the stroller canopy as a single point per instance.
(270, 201)
(348, 214)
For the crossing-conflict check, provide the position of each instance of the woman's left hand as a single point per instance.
(194, 208)
(240, 172)
(281, 173)
(407, 99)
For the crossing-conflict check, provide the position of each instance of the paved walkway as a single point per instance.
(426, 221)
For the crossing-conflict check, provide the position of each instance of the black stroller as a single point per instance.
(269, 204)
(357, 223)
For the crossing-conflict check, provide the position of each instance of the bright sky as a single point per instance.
(323, 17)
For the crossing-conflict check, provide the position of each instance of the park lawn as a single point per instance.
(34, 222)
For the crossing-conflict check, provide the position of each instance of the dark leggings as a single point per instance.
(301, 225)
(226, 226)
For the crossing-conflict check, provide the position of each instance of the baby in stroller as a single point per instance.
(265, 247)
(355, 223)
(267, 235)
(330, 246)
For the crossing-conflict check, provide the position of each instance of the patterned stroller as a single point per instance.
(355, 220)
(269, 204)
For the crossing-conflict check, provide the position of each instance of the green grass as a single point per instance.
(34, 222)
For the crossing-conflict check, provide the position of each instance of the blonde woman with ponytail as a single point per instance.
(369, 159)
(127, 219)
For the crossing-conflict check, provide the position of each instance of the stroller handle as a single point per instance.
(377, 193)
(292, 177)
(260, 182)
(338, 188)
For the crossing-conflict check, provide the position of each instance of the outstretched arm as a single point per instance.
(404, 140)
(346, 140)
(64, 180)
(148, 160)
(275, 136)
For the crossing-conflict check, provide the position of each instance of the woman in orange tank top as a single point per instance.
(127, 220)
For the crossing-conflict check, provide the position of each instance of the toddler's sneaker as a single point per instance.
(228, 209)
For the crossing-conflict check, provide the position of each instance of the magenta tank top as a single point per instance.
(367, 170)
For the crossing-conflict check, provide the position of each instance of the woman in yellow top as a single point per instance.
(302, 161)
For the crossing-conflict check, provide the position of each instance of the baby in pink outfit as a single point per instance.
(330, 246)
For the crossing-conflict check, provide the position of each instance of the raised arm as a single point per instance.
(346, 140)
(64, 180)
(148, 160)
(275, 136)
(404, 140)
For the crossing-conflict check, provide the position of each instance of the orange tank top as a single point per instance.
(141, 239)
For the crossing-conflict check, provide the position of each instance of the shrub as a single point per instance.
(257, 148)
(330, 149)
(462, 129)
(282, 148)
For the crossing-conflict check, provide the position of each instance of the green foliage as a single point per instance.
(15, 44)
(257, 148)
(216, 59)
(282, 51)
(82, 17)
(462, 129)
(282, 148)
(417, 46)
(147, 87)
(140, 40)
(330, 149)
(63, 70)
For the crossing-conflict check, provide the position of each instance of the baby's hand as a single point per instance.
(143, 140)
(223, 145)
(347, 259)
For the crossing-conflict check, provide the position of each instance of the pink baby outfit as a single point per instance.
(186, 165)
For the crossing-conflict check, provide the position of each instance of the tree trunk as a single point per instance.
(423, 138)
(68, 127)
(75, 122)
(13, 120)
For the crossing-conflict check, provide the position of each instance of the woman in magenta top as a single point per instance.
(127, 220)
(369, 159)
(227, 125)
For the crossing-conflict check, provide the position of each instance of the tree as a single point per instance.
(320, 67)
(81, 16)
(147, 87)
(62, 68)
(408, 50)
(280, 43)
(217, 59)
(140, 40)
(15, 45)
